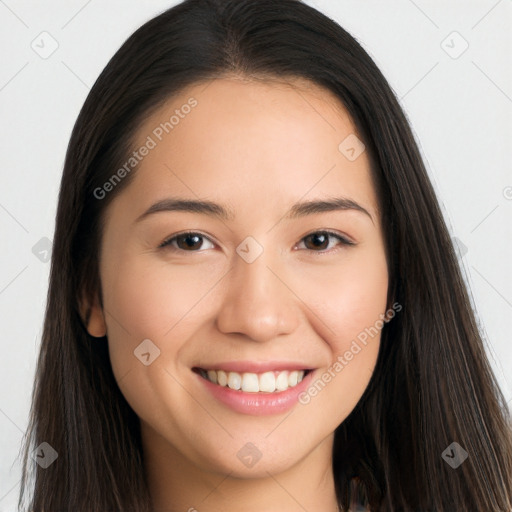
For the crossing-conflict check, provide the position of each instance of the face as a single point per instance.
(252, 286)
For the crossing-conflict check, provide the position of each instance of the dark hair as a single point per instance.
(432, 383)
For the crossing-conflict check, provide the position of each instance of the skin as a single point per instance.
(255, 147)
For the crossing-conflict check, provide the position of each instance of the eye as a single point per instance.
(189, 241)
(319, 241)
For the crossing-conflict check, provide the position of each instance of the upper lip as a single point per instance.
(255, 366)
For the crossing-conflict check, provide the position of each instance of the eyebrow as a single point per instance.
(300, 209)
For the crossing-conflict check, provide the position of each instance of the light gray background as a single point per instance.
(460, 108)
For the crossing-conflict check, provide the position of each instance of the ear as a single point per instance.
(93, 317)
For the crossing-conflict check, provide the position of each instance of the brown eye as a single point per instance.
(190, 242)
(319, 241)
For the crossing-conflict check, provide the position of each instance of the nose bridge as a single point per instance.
(257, 303)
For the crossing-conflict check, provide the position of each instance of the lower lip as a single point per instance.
(257, 404)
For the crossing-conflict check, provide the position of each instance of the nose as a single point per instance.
(258, 302)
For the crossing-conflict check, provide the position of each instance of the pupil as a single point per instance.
(192, 240)
(319, 239)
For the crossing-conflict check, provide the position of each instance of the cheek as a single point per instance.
(145, 299)
(349, 297)
(362, 303)
(357, 320)
(351, 302)
(152, 298)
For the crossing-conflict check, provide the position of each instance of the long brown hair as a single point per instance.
(432, 385)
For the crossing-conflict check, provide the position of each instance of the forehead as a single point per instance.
(249, 143)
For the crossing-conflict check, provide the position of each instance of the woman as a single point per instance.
(254, 301)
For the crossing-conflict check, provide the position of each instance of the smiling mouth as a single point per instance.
(266, 382)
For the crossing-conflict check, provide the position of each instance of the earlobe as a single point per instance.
(96, 325)
(93, 318)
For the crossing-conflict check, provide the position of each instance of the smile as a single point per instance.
(267, 382)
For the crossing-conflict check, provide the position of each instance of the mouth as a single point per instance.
(266, 382)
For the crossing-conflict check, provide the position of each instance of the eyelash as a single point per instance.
(166, 244)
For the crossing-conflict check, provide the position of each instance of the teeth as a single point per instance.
(222, 378)
(234, 380)
(282, 381)
(250, 383)
(267, 382)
